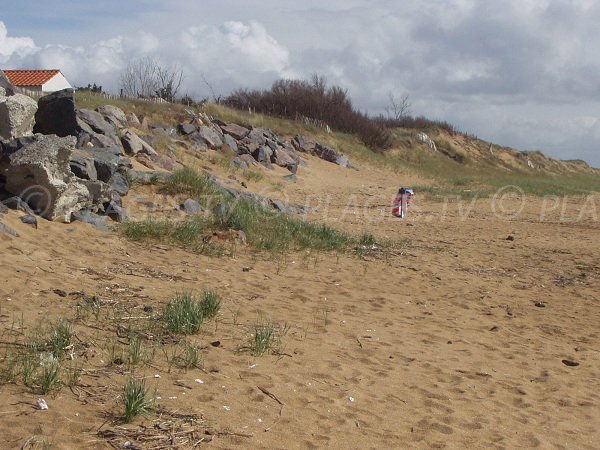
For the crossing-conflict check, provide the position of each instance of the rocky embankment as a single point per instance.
(65, 163)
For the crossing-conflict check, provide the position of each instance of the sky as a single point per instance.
(519, 73)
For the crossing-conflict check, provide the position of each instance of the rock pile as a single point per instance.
(67, 163)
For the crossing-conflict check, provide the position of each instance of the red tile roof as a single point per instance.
(29, 77)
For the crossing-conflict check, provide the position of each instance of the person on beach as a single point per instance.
(402, 201)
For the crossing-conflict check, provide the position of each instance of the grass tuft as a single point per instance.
(135, 399)
(210, 304)
(183, 315)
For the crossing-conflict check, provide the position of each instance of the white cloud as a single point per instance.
(13, 47)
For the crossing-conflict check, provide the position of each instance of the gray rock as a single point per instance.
(96, 122)
(329, 154)
(82, 165)
(191, 206)
(97, 221)
(230, 142)
(3, 208)
(56, 114)
(17, 114)
(208, 136)
(17, 204)
(291, 178)
(39, 173)
(100, 193)
(113, 115)
(133, 144)
(116, 211)
(106, 161)
(93, 139)
(132, 120)
(257, 135)
(303, 144)
(263, 156)
(29, 219)
(236, 131)
(186, 128)
(8, 230)
(283, 158)
(118, 183)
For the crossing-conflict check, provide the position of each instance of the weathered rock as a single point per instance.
(39, 173)
(283, 158)
(186, 128)
(119, 184)
(263, 156)
(17, 114)
(105, 162)
(243, 162)
(329, 154)
(18, 204)
(96, 122)
(113, 115)
(258, 135)
(97, 221)
(132, 120)
(100, 193)
(191, 206)
(8, 230)
(133, 144)
(303, 144)
(3, 208)
(230, 142)
(29, 219)
(56, 114)
(236, 131)
(208, 136)
(93, 139)
(291, 178)
(82, 165)
(116, 212)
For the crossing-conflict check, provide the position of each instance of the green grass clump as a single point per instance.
(183, 315)
(210, 304)
(186, 232)
(60, 338)
(196, 184)
(265, 337)
(135, 399)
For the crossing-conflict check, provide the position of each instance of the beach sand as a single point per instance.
(456, 339)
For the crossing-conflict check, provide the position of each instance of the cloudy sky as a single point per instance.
(522, 73)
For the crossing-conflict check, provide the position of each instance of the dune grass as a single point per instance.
(264, 229)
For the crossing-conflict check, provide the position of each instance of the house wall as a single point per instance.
(56, 83)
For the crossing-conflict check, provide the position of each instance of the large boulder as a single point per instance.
(17, 114)
(39, 173)
(56, 114)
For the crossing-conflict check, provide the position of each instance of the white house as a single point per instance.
(38, 80)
